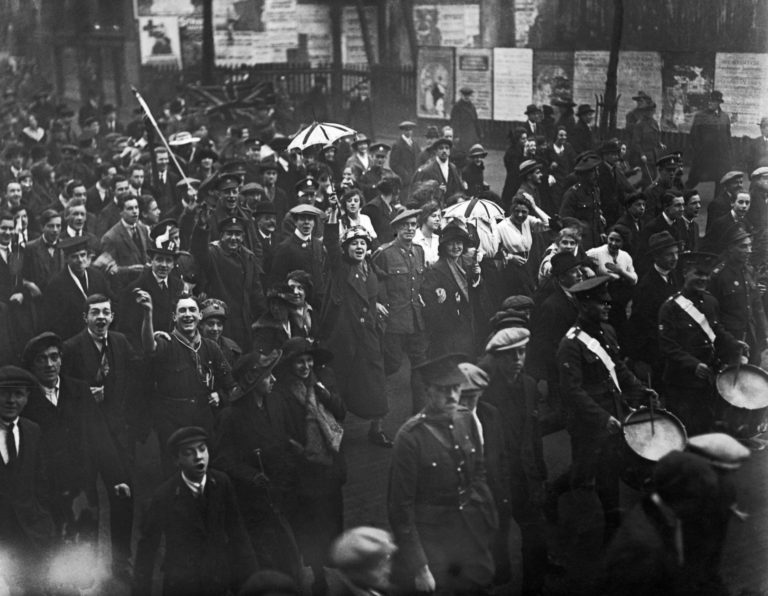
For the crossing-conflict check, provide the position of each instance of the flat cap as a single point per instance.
(213, 307)
(361, 548)
(761, 171)
(406, 124)
(517, 302)
(306, 210)
(728, 176)
(71, 245)
(13, 376)
(507, 339)
(528, 166)
(39, 343)
(443, 370)
(476, 379)
(721, 450)
(252, 187)
(466, 90)
(184, 436)
(588, 289)
(403, 216)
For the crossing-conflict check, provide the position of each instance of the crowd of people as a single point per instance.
(238, 298)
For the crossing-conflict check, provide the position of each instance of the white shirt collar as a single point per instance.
(52, 393)
(301, 236)
(197, 488)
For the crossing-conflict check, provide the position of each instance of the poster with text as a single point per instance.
(552, 76)
(474, 69)
(687, 80)
(743, 81)
(314, 23)
(435, 82)
(353, 47)
(589, 71)
(447, 25)
(159, 42)
(512, 82)
(279, 18)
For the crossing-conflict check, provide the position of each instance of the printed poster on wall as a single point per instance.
(474, 68)
(159, 41)
(552, 76)
(743, 81)
(279, 19)
(447, 25)
(512, 82)
(589, 71)
(687, 80)
(353, 47)
(314, 23)
(435, 82)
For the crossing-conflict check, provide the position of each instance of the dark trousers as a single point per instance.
(394, 346)
(530, 519)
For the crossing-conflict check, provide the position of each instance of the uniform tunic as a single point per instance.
(583, 203)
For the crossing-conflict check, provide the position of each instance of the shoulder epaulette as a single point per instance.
(572, 332)
(413, 422)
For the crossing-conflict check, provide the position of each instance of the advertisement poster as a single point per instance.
(159, 41)
(687, 80)
(435, 82)
(474, 68)
(314, 22)
(589, 71)
(743, 81)
(447, 25)
(353, 47)
(279, 18)
(512, 82)
(552, 76)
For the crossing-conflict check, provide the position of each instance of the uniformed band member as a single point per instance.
(693, 343)
(441, 510)
(596, 388)
(207, 550)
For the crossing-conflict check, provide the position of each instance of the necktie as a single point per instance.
(137, 238)
(10, 444)
(83, 282)
(103, 371)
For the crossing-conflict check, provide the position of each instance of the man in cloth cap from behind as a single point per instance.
(232, 273)
(403, 159)
(735, 288)
(27, 525)
(400, 268)
(362, 561)
(444, 520)
(252, 448)
(596, 388)
(214, 557)
(693, 344)
(515, 395)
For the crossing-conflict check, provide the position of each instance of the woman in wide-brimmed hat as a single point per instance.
(313, 413)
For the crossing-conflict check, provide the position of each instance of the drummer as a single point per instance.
(733, 285)
(693, 345)
(596, 387)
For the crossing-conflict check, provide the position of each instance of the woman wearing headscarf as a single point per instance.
(351, 323)
(313, 411)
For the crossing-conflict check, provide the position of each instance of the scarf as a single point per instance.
(459, 276)
(204, 373)
(324, 433)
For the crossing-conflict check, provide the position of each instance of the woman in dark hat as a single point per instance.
(275, 326)
(313, 412)
(204, 163)
(449, 294)
(351, 325)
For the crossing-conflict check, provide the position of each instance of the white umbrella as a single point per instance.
(320, 133)
(475, 208)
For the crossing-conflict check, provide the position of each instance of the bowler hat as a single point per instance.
(477, 150)
(592, 288)
(162, 240)
(443, 370)
(532, 109)
(185, 436)
(39, 343)
(253, 367)
(508, 339)
(279, 144)
(73, 244)
(263, 208)
(716, 96)
(204, 153)
(563, 262)
(13, 376)
(441, 141)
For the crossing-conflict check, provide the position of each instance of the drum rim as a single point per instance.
(661, 412)
(750, 369)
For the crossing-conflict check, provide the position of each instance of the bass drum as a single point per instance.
(646, 440)
(745, 392)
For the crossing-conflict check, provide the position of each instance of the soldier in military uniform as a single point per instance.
(376, 172)
(582, 201)
(733, 286)
(693, 343)
(596, 387)
(667, 166)
(400, 268)
(441, 510)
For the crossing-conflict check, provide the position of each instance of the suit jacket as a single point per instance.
(25, 521)
(403, 159)
(635, 228)
(39, 266)
(63, 301)
(119, 244)
(380, 215)
(716, 238)
(757, 153)
(650, 293)
(131, 314)
(656, 225)
(431, 171)
(207, 550)
(165, 194)
(76, 442)
(93, 201)
(106, 218)
(689, 234)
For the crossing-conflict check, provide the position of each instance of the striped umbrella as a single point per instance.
(319, 133)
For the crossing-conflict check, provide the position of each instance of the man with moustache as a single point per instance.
(207, 550)
(265, 216)
(104, 360)
(192, 377)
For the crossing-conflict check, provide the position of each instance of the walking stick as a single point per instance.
(152, 121)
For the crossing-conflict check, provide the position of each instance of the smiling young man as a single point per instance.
(207, 550)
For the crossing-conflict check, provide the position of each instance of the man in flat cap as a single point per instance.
(403, 159)
(302, 250)
(362, 558)
(596, 388)
(26, 527)
(252, 447)
(440, 508)
(232, 273)
(400, 268)
(710, 139)
(730, 185)
(76, 443)
(207, 550)
(735, 288)
(515, 395)
(693, 344)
